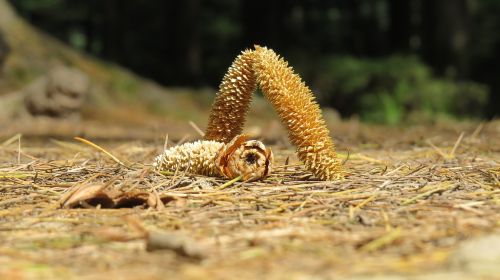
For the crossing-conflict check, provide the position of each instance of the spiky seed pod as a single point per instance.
(299, 112)
(197, 157)
(248, 158)
(233, 100)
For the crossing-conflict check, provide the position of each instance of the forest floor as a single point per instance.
(420, 202)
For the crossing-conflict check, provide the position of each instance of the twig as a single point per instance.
(85, 141)
(364, 202)
(477, 131)
(381, 241)
(196, 128)
(165, 144)
(427, 193)
(19, 150)
(229, 183)
(11, 139)
(15, 175)
(452, 153)
(441, 153)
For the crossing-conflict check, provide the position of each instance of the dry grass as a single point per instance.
(410, 198)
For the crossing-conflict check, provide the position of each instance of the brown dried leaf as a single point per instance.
(82, 193)
(131, 199)
(111, 197)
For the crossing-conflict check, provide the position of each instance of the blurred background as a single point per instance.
(383, 61)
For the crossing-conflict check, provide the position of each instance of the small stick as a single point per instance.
(426, 194)
(388, 226)
(229, 183)
(197, 129)
(452, 154)
(11, 139)
(441, 153)
(381, 241)
(182, 140)
(347, 157)
(165, 145)
(4, 175)
(19, 150)
(364, 202)
(85, 141)
(68, 145)
(477, 131)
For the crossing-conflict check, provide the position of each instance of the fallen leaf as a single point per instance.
(82, 193)
(109, 196)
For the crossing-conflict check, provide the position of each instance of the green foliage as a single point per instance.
(191, 43)
(395, 89)
(122, 83)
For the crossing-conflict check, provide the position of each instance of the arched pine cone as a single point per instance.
(299, 113)
(233, 100)
(290, 97)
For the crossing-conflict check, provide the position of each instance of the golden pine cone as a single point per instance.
(197, 157)
(233, 100)
(299, 113)
(240, 157)
(291, 98)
